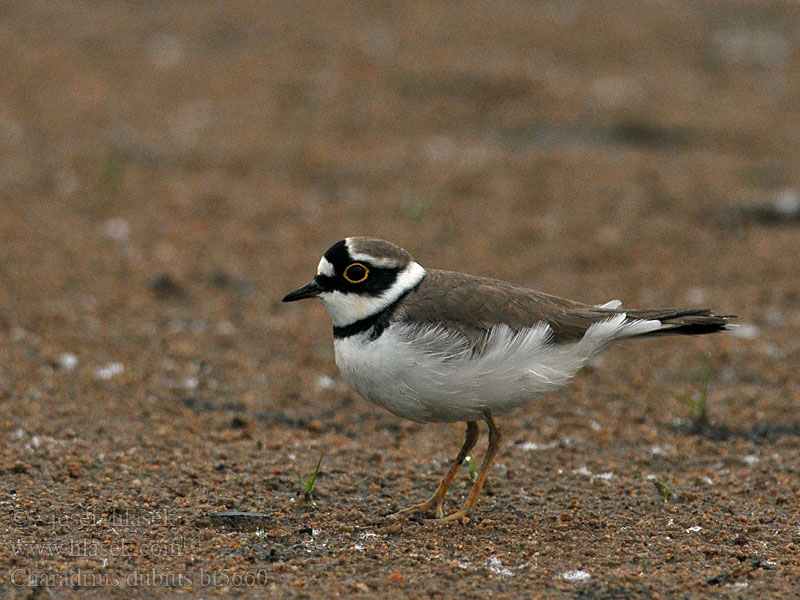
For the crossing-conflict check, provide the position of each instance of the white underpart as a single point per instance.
(345, 309)
(358, 256)
(430, 373)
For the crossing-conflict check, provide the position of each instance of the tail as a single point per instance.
(620, 325)
(683, 322)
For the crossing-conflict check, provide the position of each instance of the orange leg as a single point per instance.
(437, 499)
(491, 451)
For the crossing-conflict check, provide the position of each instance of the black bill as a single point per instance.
(307, 291)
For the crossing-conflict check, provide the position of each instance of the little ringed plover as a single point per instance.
(439, 346)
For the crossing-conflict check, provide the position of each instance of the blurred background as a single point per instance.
(183, 167)
(169, 170)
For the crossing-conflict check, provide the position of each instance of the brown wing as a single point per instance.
(473, 305)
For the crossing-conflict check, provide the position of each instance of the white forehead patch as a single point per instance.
(325, 268)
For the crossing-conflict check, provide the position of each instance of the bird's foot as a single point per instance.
(423, 507)
(462, 516)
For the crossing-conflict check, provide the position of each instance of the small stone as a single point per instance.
(67, 361)
(396, 578)
(166, 50)
(166, 287)
(787, 203)
(226, 328)
(117, 229)
(324, 382)
(110, 370)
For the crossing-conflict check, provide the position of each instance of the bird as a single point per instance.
(441, 346)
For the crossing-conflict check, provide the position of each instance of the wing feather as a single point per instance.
(472, 306)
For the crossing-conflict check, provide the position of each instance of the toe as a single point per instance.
(461, 516)
(417, 508)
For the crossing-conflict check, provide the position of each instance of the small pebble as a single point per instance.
(67, 361)
(110, 370)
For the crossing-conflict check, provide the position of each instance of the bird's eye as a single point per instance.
(355, 273)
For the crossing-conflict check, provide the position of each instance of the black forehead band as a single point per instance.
(338, 255)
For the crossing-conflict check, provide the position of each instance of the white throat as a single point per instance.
(346, 309)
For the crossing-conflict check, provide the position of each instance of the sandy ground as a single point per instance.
(168, 173)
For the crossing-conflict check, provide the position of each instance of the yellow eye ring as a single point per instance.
(350, 279)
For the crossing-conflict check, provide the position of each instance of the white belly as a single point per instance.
(430, 374)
